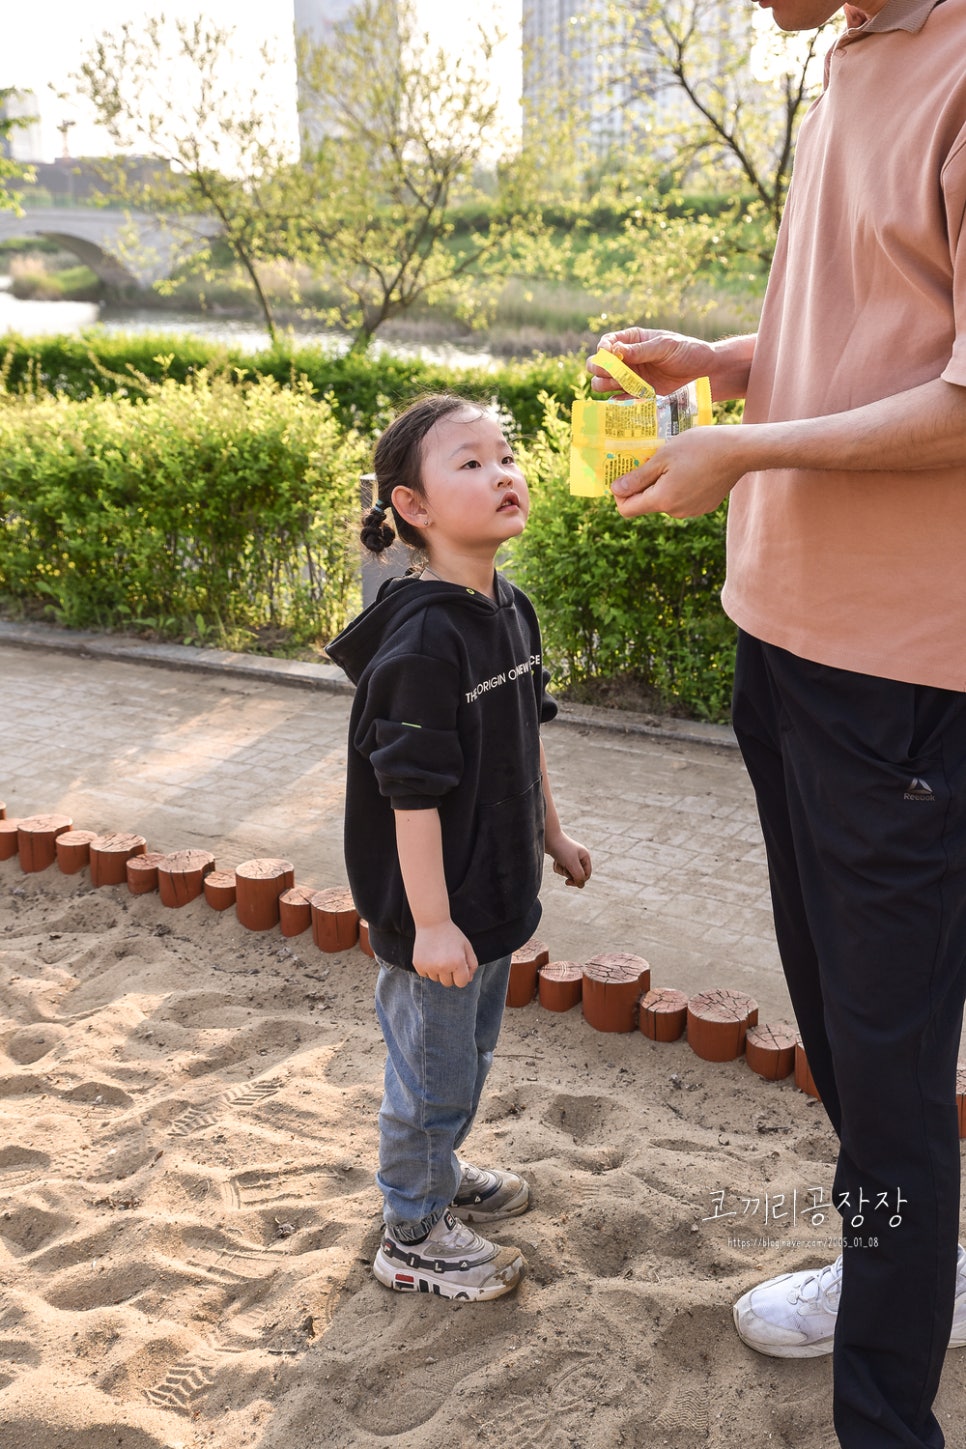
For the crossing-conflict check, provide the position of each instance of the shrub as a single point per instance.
(617, 598)
(363, 390)
(214, 496)
(210, 507)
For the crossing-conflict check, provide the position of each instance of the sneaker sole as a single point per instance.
(420, 1280)
(815, 1350)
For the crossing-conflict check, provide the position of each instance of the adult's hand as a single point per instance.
(688, 475)
(666, 360)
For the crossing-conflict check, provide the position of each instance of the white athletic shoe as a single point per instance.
(793, 1316)
(485, 1194)
(452, 1262)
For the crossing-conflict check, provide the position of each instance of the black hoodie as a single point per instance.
(450, 695)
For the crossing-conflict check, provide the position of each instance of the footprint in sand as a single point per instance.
(26, 1228)
(275, 1187)
(21, 1335)
(31, 1043)
(196, 1119)
(20, 1166)
(582, 1119)
(185, 1384)
(97, 1094)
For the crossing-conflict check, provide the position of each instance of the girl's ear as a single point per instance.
(410, 506)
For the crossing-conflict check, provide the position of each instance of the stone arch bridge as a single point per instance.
(126, 249)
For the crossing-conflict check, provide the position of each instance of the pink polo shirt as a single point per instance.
(867, 298)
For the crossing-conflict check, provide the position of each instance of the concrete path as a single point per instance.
(246, 757)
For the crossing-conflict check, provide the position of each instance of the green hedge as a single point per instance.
(208, 511)
(624, 600)
(364, 390)
(225, 509)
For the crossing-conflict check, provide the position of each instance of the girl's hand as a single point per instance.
(442, 953)
(570, 859)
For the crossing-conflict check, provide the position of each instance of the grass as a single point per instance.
(36, 278)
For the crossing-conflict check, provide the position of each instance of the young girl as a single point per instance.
(448, 814)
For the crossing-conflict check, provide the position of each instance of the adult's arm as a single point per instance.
(923, 428)
(441, 951)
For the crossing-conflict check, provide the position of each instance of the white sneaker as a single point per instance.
(452, 1262)
(487, 1194)
(793, 1316)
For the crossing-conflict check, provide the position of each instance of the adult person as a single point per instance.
(846, 578)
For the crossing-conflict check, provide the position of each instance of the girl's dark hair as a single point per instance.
(398, 462)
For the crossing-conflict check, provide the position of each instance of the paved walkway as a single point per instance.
(246, 757)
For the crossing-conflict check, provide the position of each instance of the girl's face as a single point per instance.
(474, 495)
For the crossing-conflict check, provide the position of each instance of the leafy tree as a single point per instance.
(715, 97)
(689, 121)
(10, 171)
(218, 144)
(396, 133)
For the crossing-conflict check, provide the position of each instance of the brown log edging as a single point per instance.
(181, 876)
(335, 920)
(364, 942)
(524, 965)
(220, 890)
(258, 885)
(613, 986)
(804, 1080)
(718, 1022)
(614, 983)
(770, 1050)
(142, 872)
(560, 985)
(664, 1013)
(37, 840)
(74, 850)
(110, 855)
(295, 910)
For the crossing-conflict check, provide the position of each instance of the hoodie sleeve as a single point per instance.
(408, 730)
(546, 703)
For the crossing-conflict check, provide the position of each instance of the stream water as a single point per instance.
(32, 319)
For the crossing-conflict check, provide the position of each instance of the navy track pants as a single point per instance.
(861, 791)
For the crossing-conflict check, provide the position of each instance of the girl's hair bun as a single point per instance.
(377, 533)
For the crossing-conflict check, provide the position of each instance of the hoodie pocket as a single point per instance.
(505, 872)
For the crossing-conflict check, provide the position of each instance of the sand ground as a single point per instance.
(187, 1115)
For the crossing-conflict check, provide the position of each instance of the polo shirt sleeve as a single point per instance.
(408, 730)
(954, 194)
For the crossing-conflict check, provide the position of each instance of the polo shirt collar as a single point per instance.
(908, 15)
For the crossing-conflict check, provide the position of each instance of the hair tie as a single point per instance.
(380, 507)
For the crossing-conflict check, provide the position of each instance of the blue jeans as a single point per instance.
(440, 1042)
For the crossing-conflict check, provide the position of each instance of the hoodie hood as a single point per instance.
(397, 602)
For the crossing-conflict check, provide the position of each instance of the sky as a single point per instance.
(40, 46)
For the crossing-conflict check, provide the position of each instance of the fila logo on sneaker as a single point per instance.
(405, 1283)
(919, 789)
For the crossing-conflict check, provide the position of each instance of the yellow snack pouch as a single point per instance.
(611, 438)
